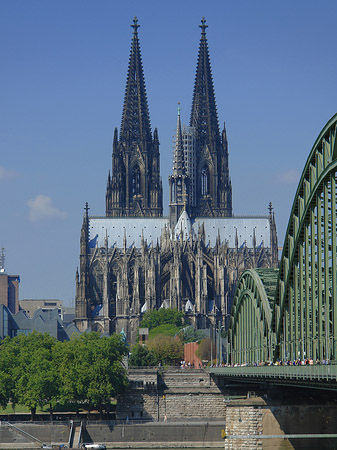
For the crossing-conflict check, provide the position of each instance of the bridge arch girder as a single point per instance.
(305, 313)
(250, 337)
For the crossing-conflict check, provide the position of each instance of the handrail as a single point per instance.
(23, 432)
(176, 368)
(79, 436)
(70, 439)
(307, 372)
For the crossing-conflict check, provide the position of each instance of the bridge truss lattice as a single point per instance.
(295, 314)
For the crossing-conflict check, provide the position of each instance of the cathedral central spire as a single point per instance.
(179, 164)
(179, 181)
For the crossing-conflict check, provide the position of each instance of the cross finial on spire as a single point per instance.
(178, 108)
(203, 26)
(135, 25)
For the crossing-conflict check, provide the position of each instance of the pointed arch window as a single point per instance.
(121, 180)
(204, 181)
(96, 287)
(173, 191)
(179, 188)
(136, 187)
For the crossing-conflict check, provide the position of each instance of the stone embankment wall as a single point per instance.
(175, 394)
(21, 435)
(157, 435)
(147, 435)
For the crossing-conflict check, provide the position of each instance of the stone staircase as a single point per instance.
(243, 421)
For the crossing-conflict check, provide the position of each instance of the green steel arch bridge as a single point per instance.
(290, 313)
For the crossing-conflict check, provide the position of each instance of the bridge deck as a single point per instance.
(323, 376)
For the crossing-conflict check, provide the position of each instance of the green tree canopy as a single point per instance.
(91, 370)
(167, 349)
(156, 317)
(8, 353)
(34, 376)
(190, 334)
(36, 370)
(142, 356)
(166, 329)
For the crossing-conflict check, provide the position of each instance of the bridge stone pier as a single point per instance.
(270, 416)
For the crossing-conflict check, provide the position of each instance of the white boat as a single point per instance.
(94, 446)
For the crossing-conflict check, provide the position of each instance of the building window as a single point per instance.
(96, 287)
(173, 191)
(135, 188)
(22, 331)
(204, 180)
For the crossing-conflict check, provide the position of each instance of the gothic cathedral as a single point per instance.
(134, 259)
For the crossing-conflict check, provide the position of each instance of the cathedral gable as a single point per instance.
(206, 157)
(137, 157)
(205, 208)
(137, 209)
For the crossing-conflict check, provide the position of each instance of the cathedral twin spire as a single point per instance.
(135, 187)
(136, 118)
(213, 190)
(204, 117)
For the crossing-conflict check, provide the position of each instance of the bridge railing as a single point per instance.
(309, 372)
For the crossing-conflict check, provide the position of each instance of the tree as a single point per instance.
(190, 334)
(34, 378)
(36, 370)
(142, 356)
(91, 370)
(166, 329)
(167, 349)
(156, 317)
(7, 363)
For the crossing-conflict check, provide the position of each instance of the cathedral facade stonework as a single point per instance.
(134, 260)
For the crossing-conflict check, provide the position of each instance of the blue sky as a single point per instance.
(63, 72)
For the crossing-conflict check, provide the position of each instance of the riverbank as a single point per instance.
(135, 446)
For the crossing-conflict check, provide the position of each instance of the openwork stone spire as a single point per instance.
(212, 191)
(134, 187)
(178, 163)
(136, 125)
(179, 181)
(204, 115)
